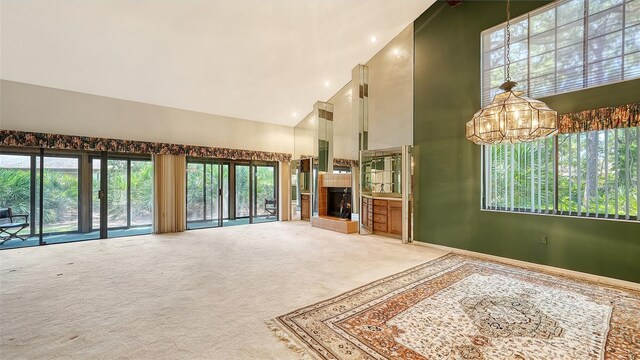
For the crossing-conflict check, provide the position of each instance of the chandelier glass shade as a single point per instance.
(512, 118)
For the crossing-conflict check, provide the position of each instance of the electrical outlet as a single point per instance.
(543, 239)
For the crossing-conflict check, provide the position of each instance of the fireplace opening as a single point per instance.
(335, 196)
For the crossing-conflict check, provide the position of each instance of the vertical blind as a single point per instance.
(598, 173)
(520, 177)
(592, 174)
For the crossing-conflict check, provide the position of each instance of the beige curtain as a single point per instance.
(285, 190)
(169, 201)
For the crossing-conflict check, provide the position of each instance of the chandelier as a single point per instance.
(511, 117)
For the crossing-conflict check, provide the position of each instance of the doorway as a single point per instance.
(207, 193)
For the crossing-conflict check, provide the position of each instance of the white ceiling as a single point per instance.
(260, 60)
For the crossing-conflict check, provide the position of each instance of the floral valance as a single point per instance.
(71, 142)
(613, 117)
(344, 162)
(336, 161)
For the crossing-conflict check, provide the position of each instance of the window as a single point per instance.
(568, 45)
(591, 174)
(520, 177)
(598, 173)
(565, 46)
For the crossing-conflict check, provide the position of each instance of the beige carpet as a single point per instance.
(203, 294)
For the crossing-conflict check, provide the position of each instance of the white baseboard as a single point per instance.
(595, 278)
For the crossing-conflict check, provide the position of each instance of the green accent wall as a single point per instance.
(446, 95)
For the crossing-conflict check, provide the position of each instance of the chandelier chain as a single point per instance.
(508, 78)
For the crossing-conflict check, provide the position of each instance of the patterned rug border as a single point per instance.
(298, 345)
(557, 273)
(293, 341)
(280, 331)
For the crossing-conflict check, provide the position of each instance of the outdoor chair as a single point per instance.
(270, 207)
(11, 225)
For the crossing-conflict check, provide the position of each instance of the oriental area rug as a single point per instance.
(458, 307)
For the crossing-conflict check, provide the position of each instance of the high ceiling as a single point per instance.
(263, 60)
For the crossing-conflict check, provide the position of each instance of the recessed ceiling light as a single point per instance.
(294, 114)
(396, 52)
(327, 83)
(374, 39)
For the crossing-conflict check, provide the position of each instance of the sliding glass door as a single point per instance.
(227, 193)
(207, 194)
(242, 193)
(73, 196)
(18, 192)
(52, 189)
(265, 204)
(129, 196)
(61, 218)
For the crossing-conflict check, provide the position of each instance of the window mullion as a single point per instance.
(495, 175)
(570, 177)
(579, 174)
(627, 172)
(490, 180)
(556, 158)
(606, 173)
(616, 166)
(515, 161)
(597, 212)
(588, 169)
(638, 173)
(546, 175)
(533, 174)
(539, 166)
(512, 175)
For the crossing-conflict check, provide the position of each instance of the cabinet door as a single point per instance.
(395, 220)
(304, 212)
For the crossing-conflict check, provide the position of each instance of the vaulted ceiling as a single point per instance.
(263, 60)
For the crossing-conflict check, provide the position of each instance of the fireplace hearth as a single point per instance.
(332, 189)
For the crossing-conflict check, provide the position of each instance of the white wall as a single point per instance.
(34, 108)
(391, 93)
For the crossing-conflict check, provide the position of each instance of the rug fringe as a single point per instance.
(287, 339)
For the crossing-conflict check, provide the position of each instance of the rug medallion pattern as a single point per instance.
(458, 307)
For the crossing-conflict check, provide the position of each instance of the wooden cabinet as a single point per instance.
(380, 209)
(382, 216)
(395, 217)
(305, 207)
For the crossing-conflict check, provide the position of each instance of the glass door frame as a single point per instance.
(85, 204)
(37, 157)
(235, 165)
(231, 203)
(103, 193)
(254, 185)
(220, 164)
(40, 168)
